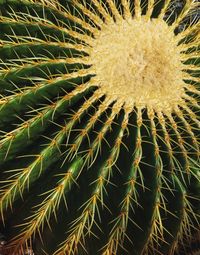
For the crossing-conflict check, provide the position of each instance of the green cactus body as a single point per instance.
(99, 122)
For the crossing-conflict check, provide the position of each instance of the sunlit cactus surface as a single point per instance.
(99, 127)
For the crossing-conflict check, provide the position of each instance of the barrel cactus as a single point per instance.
(99, 123)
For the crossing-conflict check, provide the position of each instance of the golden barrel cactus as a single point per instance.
(99, 126)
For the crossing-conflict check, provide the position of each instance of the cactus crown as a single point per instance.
(131, 67)
(99, 120)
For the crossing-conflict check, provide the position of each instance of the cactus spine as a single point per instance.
(99, 120)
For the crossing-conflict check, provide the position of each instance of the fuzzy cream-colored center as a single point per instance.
(138, 62)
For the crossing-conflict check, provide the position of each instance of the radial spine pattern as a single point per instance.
(99, 126)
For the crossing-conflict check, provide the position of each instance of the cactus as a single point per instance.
(99, 123)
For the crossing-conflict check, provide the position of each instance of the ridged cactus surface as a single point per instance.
(99, 126)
